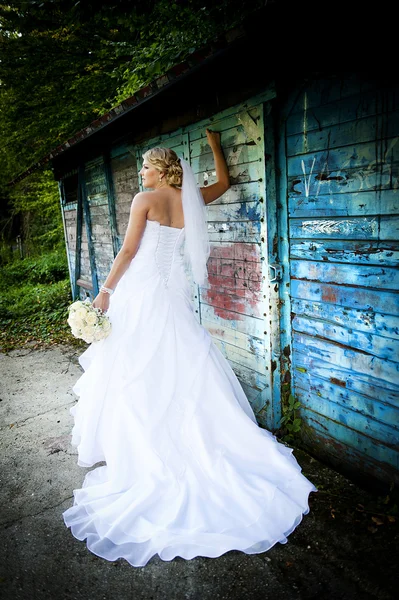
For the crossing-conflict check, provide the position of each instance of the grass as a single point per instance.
(34, 299)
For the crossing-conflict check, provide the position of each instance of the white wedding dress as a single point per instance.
(188, 470)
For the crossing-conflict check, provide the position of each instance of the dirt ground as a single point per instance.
(345, 548)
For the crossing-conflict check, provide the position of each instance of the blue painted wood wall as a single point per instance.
(342, 186)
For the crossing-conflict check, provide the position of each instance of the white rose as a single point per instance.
(87, 330)
(81, 313)
(91, 318)
(75, 305)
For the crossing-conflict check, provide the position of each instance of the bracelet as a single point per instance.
(106, 290)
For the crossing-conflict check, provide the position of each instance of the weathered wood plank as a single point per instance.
(104, 253)
(244, 341)
(240, 174)
(175, 140)
(98, 192)
(328, 91)
(378, 202)
(234, 155)
(360, 383)
(343, 110)
(367, 342)
(355, 228)
(236, 251)
(224, 121)
(243, 357)
(223, 300)
(99, 211)
(364, 299)
(126, 182)
(121, 151)
(99, 200)
(373, 409)
(358, 131)
(337, 160)
(251, 326)
(254, 379)
(248, 287)
(234, 136)
(239, 231)
(347, 251)
(355, 275)
(247, 211)
(355, 440)
(239, 193)
(255, 397)
(101, 231)
(249, 271)
(367, 321)
(70, 215)
(335, 354)
(354, 421)
(373, 176)
(100, 220)
(248, 105)
(123, 211)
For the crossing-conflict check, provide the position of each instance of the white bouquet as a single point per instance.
(88, 323)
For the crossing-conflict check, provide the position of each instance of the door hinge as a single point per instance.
(277, 273)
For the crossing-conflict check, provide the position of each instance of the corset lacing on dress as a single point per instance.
(168, 250)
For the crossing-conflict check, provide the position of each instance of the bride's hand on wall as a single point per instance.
(101, 301)
(213, 138)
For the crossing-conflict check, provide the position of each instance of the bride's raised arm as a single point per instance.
(215, 190)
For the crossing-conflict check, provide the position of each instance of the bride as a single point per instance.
(188, 472)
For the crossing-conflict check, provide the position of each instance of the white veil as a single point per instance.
(197, 247)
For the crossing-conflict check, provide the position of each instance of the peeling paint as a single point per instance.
(341, 227)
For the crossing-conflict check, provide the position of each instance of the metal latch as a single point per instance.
(278, 273)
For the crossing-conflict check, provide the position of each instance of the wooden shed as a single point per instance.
(303, 288)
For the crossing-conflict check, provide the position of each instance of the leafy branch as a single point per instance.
(290, 421)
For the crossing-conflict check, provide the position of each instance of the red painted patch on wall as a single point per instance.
(235, 280)
(329, 295)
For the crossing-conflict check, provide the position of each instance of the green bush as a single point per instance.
(34, 301)
(29, 299)
(48, 268)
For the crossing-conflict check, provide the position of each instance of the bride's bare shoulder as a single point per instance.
(142, 197)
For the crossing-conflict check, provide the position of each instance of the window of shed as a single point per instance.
(71, 189)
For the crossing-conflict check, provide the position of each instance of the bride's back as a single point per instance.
(166, 207)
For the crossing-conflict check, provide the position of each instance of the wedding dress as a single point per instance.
(188, 470)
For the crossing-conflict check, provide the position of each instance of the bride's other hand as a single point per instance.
(214, 191)
(101, 301)
(213, 137)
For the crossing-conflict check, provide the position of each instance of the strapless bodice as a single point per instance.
(165, 245)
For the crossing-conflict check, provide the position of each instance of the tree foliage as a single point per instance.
(65, 62)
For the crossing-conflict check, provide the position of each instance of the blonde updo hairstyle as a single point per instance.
(166, 161)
